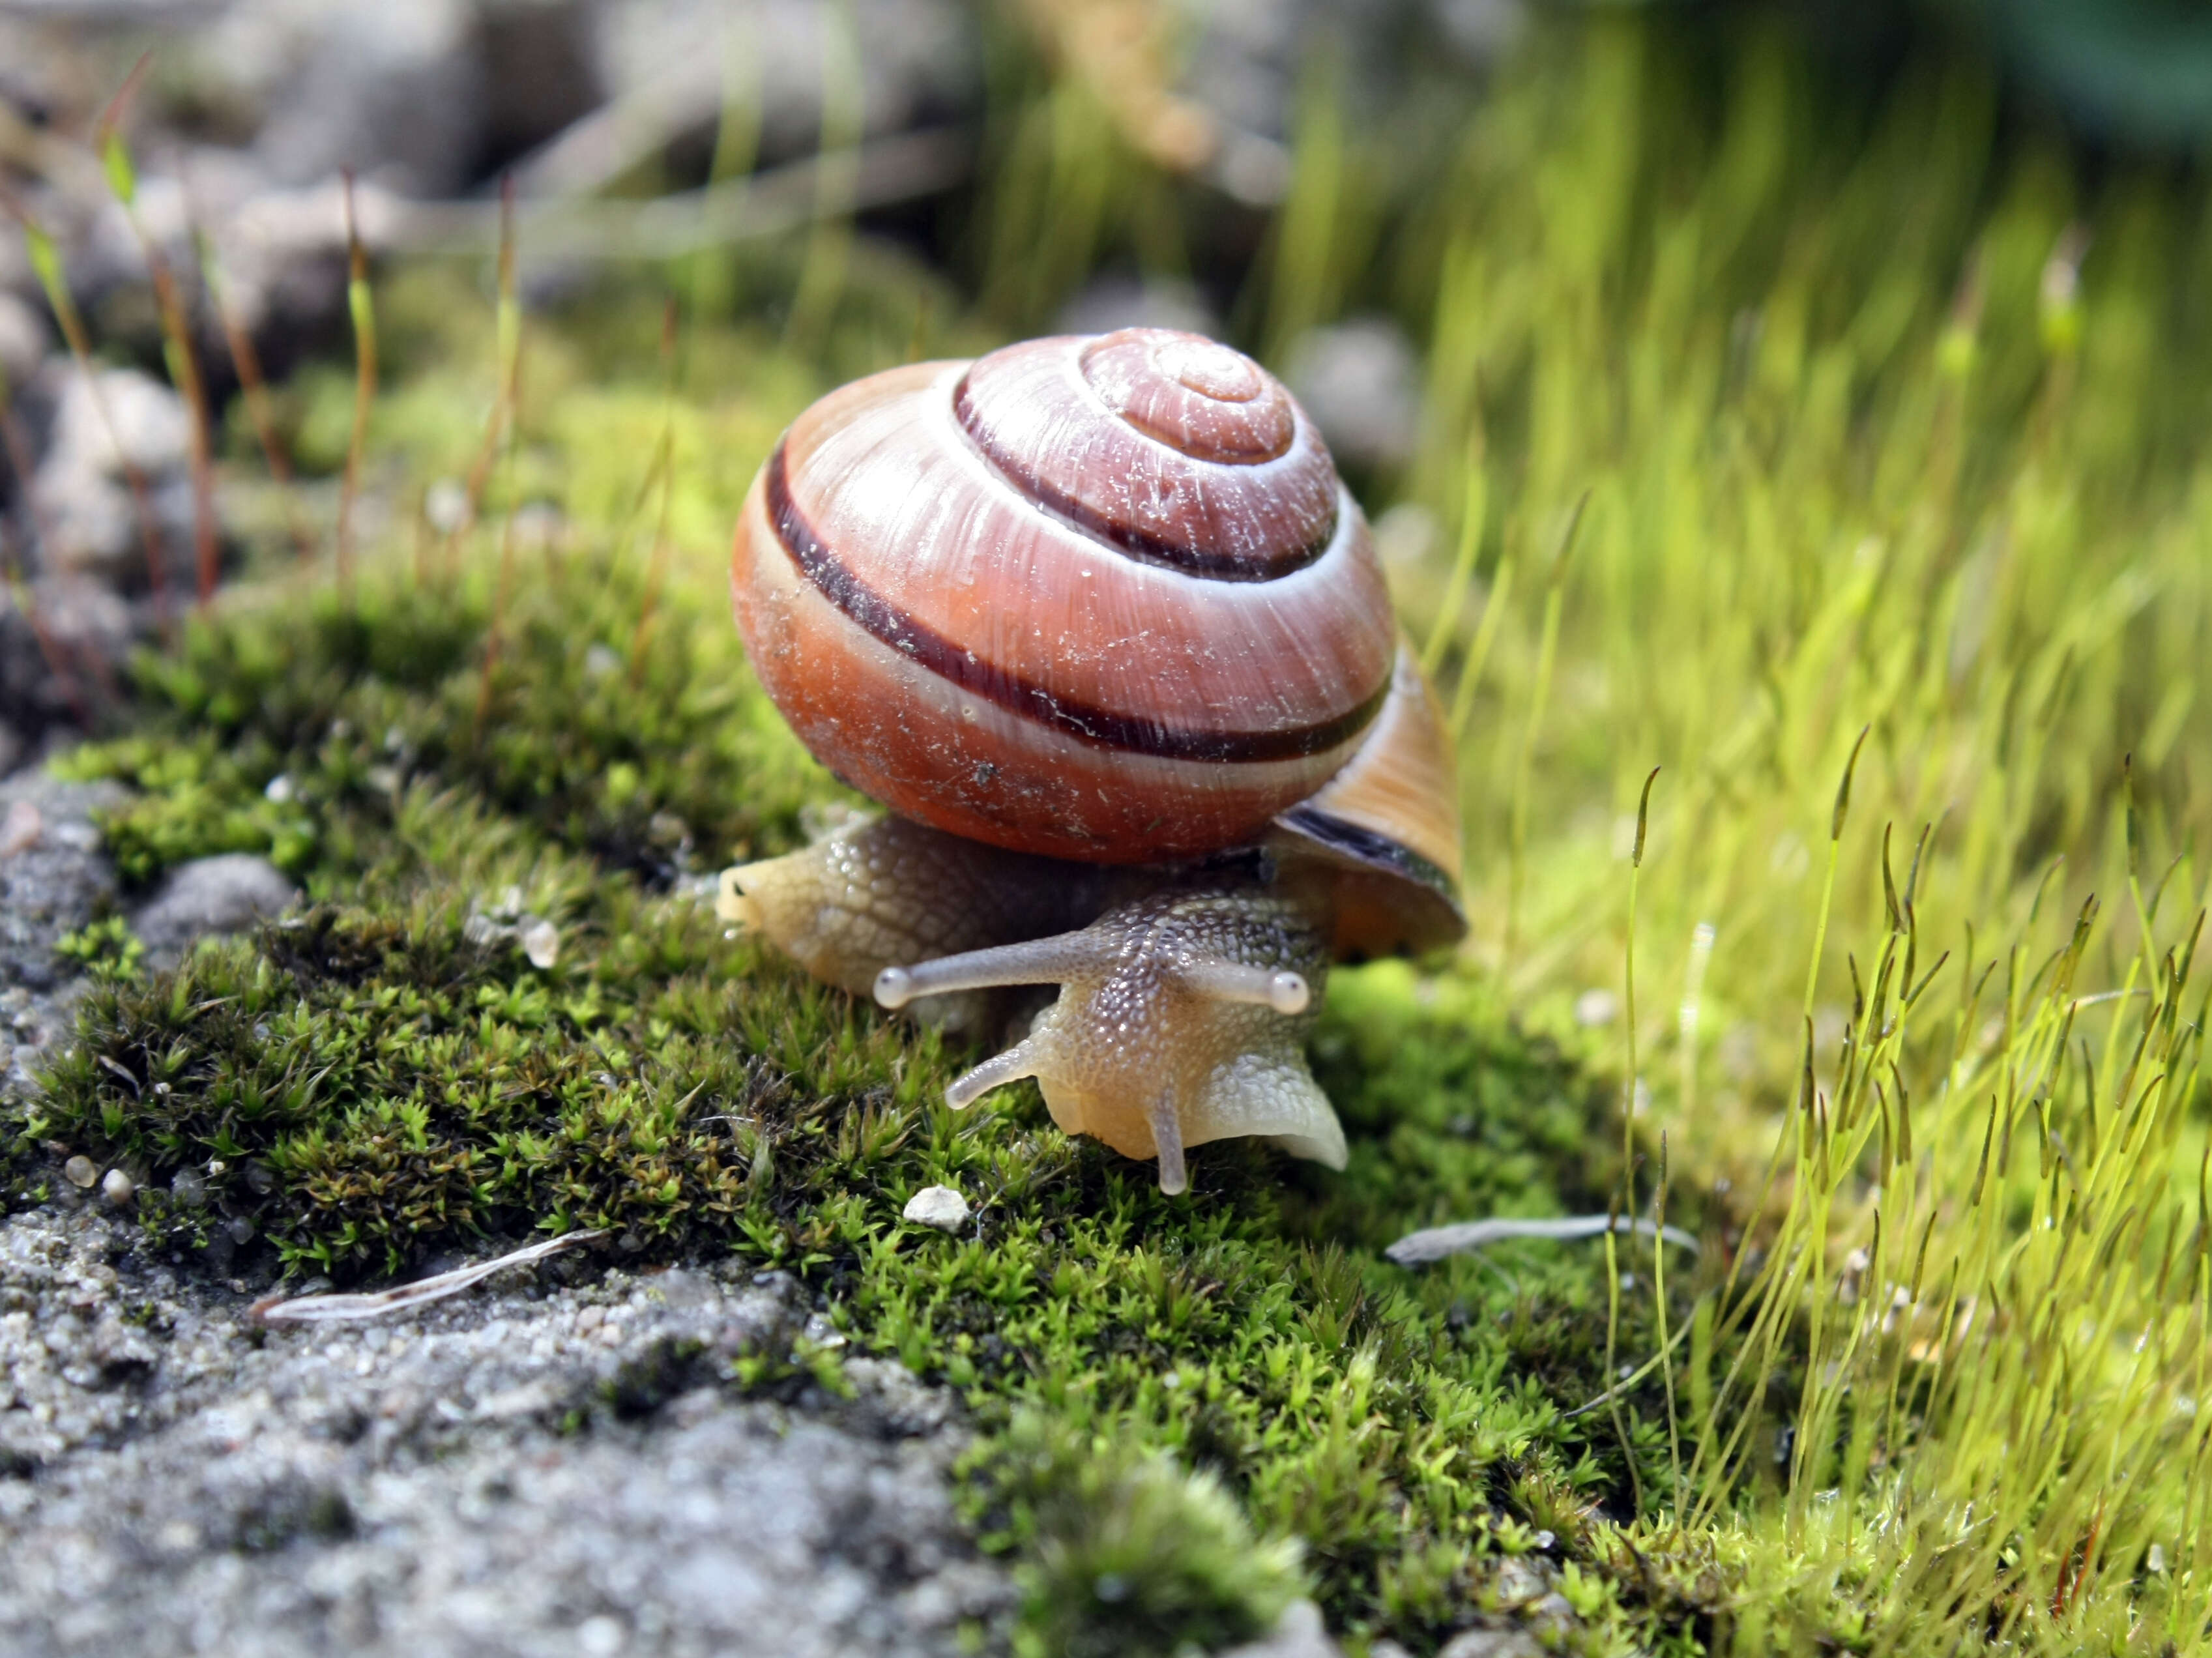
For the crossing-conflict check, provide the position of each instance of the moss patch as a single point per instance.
(389, 1073)
(606, 722)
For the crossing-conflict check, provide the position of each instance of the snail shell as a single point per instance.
(1102, 598)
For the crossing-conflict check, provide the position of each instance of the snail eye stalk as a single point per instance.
(1071, 955)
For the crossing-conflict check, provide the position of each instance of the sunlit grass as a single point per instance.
(1883, 425)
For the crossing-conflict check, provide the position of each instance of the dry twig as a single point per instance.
(352, 1309)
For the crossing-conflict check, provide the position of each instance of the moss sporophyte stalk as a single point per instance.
(1935, 1378)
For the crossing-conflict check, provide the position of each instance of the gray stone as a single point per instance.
(392, 90)
(1298, 1633)
(1480, 31)
(1360, 381)
(541, 943)
(1110, 302)
(143, 422)
(104, 425)
(62, 657)
(1492, 1644)
(1247, 63)
(1553, 1615)
(284, 251)
(670, 65)
(1519, 1579)
(23, 339)
(538, 67)
(227, 893)
(528, 1470)
(54, 880)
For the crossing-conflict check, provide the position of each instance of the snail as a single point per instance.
(1095, 618)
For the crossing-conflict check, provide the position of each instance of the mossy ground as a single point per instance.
(1873, 411)
(380, 1080)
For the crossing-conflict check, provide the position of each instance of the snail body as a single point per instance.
(1096, 619)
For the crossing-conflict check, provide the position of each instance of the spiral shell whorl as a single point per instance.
(1204, 399)
(1178, 451)
(1005, 599)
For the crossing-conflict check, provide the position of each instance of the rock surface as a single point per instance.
(1298, 1633)
(53, 879)
(538, 1469)
(1360, 381)
(1110, 302)
(1492, 1644)
(564, 1463)
(227, 893)
(105, 427)
(23, 339)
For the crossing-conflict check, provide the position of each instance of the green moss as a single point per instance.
(388, 1074)
(1129, 1554)
(298, 727)
(106, 950)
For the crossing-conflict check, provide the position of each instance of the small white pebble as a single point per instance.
(81, 1171)
(600, 1637)
(117, 1187)
(540, 942)
(939, 1207)
(1596, 1007)
(446, 505)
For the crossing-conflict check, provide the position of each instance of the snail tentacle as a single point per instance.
(1057, 960)
(1167, 1136)
(1034, 962)
(997, 1072)
(1287, 992)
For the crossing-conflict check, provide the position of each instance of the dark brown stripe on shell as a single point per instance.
(1187, 558)
(1364, 846)
(836, 581)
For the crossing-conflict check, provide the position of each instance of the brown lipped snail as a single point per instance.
(1097, 622)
